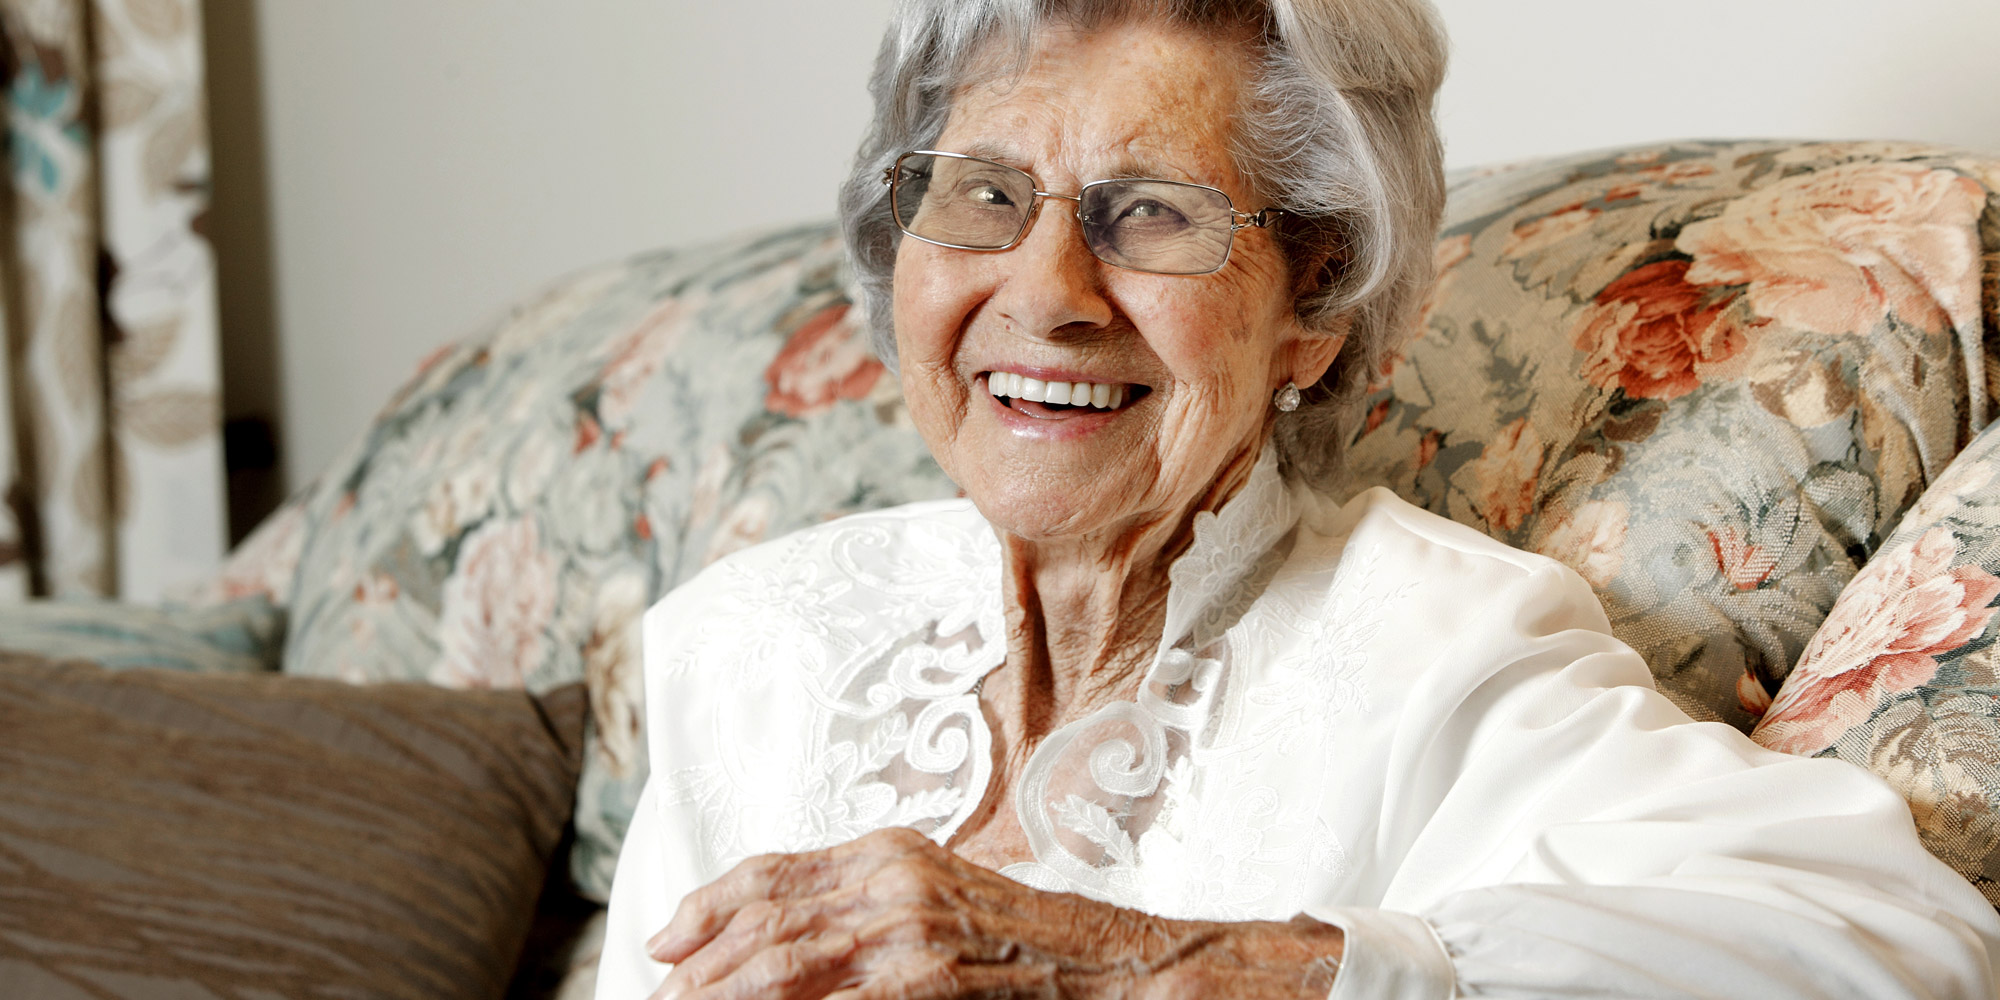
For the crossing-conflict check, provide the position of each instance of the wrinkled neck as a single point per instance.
(1085, 615)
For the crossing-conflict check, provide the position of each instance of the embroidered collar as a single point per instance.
(1227, 550)
(1206, 584)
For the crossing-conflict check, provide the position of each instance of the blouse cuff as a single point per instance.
(1388, 956)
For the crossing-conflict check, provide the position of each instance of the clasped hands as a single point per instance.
(893, 915)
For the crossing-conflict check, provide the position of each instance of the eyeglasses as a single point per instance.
(1162, 227)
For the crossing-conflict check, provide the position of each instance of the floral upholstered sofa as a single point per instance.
(1738, 386)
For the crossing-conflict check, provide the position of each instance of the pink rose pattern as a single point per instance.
(635, 358)
(1509, 471)
(1839, 250)
(496, 607)
(1624, 344)
(1651, 333)
(1591, 541)
(1909, 606)
(1901, 677)
(826, 361)
(1681, 331)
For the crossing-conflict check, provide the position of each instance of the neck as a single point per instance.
(1085, 614)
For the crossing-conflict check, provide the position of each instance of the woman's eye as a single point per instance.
(1150, 212)
(987, 194)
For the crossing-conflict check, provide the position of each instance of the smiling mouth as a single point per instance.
(1038, 398)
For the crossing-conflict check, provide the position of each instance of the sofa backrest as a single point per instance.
(1709, 376)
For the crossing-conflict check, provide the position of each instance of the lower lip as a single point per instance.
(1065, 426)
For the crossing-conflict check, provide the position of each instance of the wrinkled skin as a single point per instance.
(892, 915)
(1088, 523)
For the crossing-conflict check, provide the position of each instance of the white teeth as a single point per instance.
(1102, 395)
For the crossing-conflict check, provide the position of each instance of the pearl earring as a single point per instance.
(1287, 398)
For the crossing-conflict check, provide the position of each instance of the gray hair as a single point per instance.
(1339, 132)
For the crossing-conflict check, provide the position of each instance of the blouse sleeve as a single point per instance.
(1564, 830)
(640, 900)
(658, 863)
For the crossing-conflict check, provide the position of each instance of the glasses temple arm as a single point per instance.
(1259, 219)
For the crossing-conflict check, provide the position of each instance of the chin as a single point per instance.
(1036, 515)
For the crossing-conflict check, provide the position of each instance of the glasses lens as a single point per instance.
(1161, 226)
(960, 201)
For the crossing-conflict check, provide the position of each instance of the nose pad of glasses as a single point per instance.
(1096, 237)
(1073, 207)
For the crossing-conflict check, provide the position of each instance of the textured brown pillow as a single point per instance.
(198, 836)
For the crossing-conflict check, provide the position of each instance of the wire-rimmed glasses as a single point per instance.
(1161, 227)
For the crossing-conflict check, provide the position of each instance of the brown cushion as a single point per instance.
(174, 835)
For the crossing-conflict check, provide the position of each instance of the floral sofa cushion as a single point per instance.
(1709, 376)
(1904, 676)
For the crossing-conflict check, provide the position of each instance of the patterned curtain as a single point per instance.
(112, 446)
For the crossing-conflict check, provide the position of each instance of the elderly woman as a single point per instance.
(1146, 715)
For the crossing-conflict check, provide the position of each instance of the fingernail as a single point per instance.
(658, 943)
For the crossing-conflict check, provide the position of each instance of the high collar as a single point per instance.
(1206, 583)
(1228, 547)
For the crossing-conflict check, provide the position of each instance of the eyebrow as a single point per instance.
(993, 151)
(1129, 167)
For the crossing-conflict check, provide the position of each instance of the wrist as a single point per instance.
(1262, 959)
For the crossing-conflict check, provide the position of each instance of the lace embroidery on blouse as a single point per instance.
(892, 621)
(886, 632)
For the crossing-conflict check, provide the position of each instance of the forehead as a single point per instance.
(1137, 98)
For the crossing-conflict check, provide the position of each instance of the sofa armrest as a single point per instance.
(1904, 675)
(240, 636)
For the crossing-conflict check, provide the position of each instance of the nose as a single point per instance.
(1052, 285)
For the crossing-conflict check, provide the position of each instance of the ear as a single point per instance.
(1305, 356)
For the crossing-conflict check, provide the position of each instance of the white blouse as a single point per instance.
(1363, 713)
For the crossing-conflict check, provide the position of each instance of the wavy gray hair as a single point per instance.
(1339, 132)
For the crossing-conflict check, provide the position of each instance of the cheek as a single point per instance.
(931, 306)
(933, 406)
(932, 303)
(1216, 346)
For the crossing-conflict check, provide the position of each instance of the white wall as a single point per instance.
(1541, 76)
(428, 162)
(431, 161)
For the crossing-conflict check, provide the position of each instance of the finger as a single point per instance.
(845, 913)
(936, 978)
(779, 877)
(703, 913)
(755, 927)
(797, 970)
